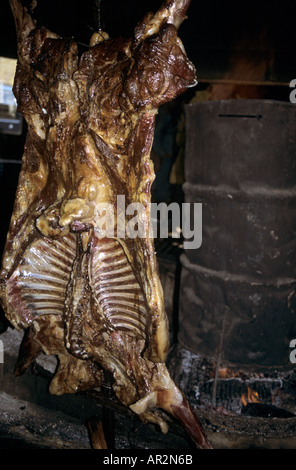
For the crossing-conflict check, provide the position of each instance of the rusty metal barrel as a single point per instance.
(237, 291)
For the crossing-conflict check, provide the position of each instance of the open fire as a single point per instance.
(251, 397)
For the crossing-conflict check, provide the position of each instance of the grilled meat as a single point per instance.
(93, 300)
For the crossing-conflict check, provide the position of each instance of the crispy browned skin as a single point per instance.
(95, 302)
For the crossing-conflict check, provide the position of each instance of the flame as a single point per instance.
(252, 397)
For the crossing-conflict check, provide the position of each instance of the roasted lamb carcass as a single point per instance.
(91, 298)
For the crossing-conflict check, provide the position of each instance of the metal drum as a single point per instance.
(237, 295)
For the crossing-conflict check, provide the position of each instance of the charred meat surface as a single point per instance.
(95, 301)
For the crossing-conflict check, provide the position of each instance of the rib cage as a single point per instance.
(39, 283)
(116, 288)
